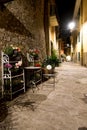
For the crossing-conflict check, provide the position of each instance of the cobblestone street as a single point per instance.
(62, 108)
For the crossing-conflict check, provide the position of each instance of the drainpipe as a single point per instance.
(59, 46)
(82, 32)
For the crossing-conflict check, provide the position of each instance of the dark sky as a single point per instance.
(65, 9)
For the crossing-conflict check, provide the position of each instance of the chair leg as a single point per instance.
(33, 85)
(50, 76)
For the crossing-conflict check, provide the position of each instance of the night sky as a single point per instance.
(65, 9)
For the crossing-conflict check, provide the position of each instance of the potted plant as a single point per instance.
(34, 53)
(46, 62)
(51, 60)
(8, 50)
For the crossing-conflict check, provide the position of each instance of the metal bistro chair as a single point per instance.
(49, 76)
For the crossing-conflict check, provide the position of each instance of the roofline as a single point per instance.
(77, 6)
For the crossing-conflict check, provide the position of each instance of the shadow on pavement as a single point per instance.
(82, 128)
(3, 110)
(85, 98)
(31, 101)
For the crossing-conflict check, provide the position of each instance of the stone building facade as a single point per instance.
(22, 24)
(79, 42)
(25, 24)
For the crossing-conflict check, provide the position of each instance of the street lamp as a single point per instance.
(71, 25)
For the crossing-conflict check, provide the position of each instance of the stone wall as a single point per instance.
(22, 25)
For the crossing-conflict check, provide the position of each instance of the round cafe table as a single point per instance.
(30, 76)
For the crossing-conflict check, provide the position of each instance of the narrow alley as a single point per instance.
(62, 108)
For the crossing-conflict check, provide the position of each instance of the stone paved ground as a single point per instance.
(62, 108)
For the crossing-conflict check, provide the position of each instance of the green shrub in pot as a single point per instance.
(8, 50)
